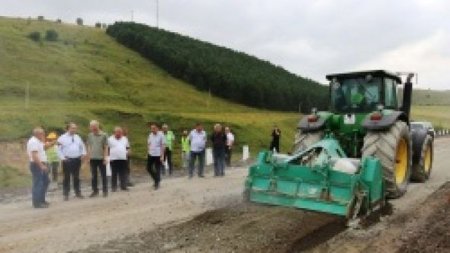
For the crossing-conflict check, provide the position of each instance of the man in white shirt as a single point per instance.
(71, 151)
(38, 167)
(119, 149)
(229, 149)
(197, 139)
(156, 146)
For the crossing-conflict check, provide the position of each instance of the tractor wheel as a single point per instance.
(393, 148)
(304, 140)
(421, 171)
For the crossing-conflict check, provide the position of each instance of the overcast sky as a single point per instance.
(310, 38)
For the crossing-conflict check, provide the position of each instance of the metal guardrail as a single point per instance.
(442, 132)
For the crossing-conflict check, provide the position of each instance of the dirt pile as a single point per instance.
(434, 234)
(239, 228)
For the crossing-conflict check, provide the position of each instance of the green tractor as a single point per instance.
(349, 160)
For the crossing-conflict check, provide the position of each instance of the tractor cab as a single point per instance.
(363, 92)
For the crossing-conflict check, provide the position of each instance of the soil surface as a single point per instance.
(207, 215)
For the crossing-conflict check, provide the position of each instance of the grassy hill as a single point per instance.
(85, 74)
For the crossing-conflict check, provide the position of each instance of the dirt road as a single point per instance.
(206, 215)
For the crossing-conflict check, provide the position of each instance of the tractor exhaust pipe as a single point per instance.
(407, 95)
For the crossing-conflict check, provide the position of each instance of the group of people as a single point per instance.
(69, 149)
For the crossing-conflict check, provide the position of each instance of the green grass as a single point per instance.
(87, 75)
(438, 115)
(431, 97)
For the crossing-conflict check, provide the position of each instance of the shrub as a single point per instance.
(58, 21)
(35, 36)
(79, 21)
(104, 26)
(98, 25)
(51, 35)
(41, 18)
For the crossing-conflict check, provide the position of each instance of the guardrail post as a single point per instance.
(209, 156)
(245, 153)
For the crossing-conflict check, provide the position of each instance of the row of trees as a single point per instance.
(225, 73)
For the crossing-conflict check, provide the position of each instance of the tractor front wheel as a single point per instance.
(393, 148)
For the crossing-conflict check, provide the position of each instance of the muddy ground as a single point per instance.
(207, 215)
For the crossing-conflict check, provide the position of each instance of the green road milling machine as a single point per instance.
(347, 161)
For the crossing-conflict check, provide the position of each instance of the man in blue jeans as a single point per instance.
(197, 139)
(38, 167)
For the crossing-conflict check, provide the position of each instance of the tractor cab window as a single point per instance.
(390, 94)
(357, 95)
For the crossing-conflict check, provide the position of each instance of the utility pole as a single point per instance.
(132, 15)
(157, 13)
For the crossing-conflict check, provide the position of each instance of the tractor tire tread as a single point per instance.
(418, 172)
(383, 145)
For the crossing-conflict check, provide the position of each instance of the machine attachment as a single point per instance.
(320, 178)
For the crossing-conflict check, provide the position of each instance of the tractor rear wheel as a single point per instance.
(393, 148)
(304, 140)
(421, 171)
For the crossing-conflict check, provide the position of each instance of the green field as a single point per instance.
(431, 97)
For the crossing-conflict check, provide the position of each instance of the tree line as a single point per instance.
(226, 73)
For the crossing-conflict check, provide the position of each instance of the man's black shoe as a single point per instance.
(79, 196)
(130, 184)
(114, 190)
(93, 194)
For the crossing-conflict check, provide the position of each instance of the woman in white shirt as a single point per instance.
(119, 149)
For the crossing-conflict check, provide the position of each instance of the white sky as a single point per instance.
(307, 37)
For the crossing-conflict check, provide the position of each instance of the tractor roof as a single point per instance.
(374, 73)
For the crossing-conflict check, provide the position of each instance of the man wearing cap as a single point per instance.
(185, 149)
(53, 159)
(72, 152)
(38, 167)
(97, 149)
